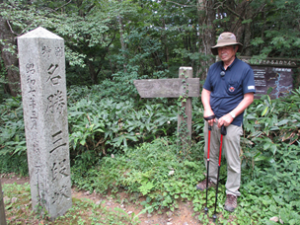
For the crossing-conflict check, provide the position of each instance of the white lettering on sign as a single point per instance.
(282, 69)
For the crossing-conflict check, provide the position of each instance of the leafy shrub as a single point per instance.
(153, 170)
(12, 137)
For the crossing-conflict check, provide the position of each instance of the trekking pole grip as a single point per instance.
(223, 130)
(209, 118)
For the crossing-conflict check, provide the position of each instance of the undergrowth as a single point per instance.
(83, 211)
(132, 145)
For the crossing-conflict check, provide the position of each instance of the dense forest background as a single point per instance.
(132, 39)
(120, 142)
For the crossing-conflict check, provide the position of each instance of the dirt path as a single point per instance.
(184, 215)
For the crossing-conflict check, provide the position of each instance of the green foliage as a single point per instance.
(108, 125)
(12, 137)
(153, 170)
(127, 144)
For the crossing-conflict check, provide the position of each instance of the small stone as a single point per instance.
(14, 199)
(171, 172)
(274, 218)
(122, 206)
(130, 212)
(98, 202)
(108, 203)
(6, 200)
(169, 214)
(169, 219)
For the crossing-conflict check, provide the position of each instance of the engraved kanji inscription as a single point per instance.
(46, 50)
(59, 168)
(56, 102)
(60, 194)
(54, 77)
(59, 51)
(57, 141)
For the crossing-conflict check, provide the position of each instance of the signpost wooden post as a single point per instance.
(2, 209)
(185, 86)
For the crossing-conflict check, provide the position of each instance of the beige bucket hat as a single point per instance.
(226, 39)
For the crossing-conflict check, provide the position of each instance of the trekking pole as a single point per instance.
(207, 159)
(223, 132)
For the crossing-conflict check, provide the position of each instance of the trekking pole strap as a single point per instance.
(210, 117)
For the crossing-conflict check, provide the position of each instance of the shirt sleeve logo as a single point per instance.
(251, 87)
(231, 89)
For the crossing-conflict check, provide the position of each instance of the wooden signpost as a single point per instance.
(185, 86)
(2, 209)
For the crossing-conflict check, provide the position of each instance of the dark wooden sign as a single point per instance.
(2, 209)
(173, 88)
(272, 73)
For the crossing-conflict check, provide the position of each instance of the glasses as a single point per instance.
(222, 73)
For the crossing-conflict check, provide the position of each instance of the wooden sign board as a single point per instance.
(167, 88)
(174, 88)
(272, 73)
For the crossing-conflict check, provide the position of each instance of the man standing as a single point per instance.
(228, 90)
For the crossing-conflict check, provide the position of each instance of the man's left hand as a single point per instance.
(225, 120)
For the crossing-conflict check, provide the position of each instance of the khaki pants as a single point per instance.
(231, 149)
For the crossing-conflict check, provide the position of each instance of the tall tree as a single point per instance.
(8, 54)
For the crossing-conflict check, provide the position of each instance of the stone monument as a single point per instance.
(2, 208)
(43, 82)
(174, 88)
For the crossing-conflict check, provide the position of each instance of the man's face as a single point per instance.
(227, 53)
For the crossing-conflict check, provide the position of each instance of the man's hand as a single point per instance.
(225, 120)
(205, 97)
(208, 113)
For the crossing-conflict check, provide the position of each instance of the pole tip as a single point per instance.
(214, 217)
(206, 210)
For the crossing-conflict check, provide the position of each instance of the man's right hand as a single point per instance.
(207, 114)
(205, 98)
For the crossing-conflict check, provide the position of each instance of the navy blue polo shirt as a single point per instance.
(228, 91)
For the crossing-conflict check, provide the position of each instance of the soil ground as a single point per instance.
(184, 215)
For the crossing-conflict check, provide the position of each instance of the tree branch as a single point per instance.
(60, 7)
(11, 30)
(180, 4)
(234, 13)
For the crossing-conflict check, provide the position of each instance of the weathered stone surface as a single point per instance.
(43, 82)
(2, 208)
(167, 88)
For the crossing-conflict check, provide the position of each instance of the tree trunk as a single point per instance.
(247, 38)
(164, 40)
(10, 59)
(206, 34)
(122, 41)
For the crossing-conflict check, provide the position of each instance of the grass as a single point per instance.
(84, 211)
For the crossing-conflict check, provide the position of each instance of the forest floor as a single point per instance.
(184, 215)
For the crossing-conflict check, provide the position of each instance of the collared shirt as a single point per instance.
(228, 91)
